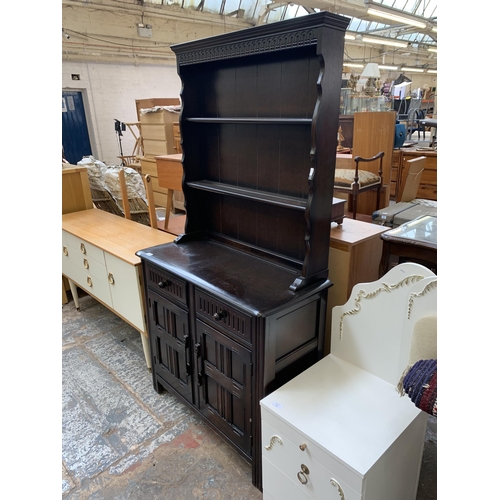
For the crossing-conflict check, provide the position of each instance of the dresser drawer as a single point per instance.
(87, 264)
(166, 284)
(236, 324)
(85, 248)
(289, 457)
(276, 485)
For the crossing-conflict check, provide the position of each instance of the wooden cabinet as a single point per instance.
(98, 255)
(157, 132)
(428, 184)
(355, 255)
(260, 109)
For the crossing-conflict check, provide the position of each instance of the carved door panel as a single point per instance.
(224, 372)
(170, 344)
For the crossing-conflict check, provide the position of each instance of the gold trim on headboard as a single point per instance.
(409, 280)
(429, 286)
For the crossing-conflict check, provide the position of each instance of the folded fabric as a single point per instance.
(419, 383)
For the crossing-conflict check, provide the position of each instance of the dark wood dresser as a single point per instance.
(237, 304)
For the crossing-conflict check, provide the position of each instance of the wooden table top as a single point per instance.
(119, 236)
(352, 232)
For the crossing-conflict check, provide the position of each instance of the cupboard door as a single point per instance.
(223, 381)
(125, 289)
(170, 345)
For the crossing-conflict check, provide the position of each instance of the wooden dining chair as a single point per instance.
(354, 181)
(135, 208)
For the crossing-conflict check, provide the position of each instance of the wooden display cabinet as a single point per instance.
(237, 304)
(428, 184)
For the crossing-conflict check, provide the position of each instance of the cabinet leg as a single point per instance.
(147, 352)
(74, 292)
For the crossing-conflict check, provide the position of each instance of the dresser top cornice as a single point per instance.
(116, 235)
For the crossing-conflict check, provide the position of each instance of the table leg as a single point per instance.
(74, 292)
(147, 352)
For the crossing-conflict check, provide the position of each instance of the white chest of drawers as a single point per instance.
(340, 429)
(98, 255)
(351, 453)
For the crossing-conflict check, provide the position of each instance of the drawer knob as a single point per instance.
(302, 446)
(220, 315)
(339, 488)
(111, 279)
(303, 473)
(274, 439)
(83, 249)
(85, 263)
(164, 284)
(65, 250)
(89, 281)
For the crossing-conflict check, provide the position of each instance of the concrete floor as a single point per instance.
(121, 440)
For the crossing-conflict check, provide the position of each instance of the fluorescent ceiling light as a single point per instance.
(432, 71)
(415, 70)
(432, 50)
(391, 68)
(353, 65)
(384, 41)
(395, 17)
(435, 30)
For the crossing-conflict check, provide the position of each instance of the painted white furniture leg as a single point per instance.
(147, 352)
(74, 292)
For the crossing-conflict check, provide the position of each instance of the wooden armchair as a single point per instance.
(354, 181)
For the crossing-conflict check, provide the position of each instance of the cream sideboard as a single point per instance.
(98, 255)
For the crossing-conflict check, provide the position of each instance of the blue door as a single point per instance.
(75, 134)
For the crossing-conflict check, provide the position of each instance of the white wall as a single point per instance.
(109, 92)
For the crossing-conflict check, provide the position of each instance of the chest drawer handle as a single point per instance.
(83, 249)
(85, 263)
(274, 439)
(111, 278)
(164, 284)
(220, 315)
(89, 281)
(302, 447)
(339, 488)
(303, 473)
(65, 250)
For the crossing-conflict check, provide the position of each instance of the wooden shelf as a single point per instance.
(254, 121)
(251, 194)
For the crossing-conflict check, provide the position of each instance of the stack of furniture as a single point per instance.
(159, 136)
(340, 430)
(236, 306)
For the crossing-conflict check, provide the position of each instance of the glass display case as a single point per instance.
(354, 102)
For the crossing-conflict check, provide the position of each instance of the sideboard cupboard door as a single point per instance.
(124, 284)
(170, 346)
(223, 385)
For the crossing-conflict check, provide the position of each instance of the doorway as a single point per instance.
(75, 134)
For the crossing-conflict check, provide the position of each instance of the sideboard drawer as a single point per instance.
(85, 248)
(217, 313)
(308, 464)
(166, 284)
